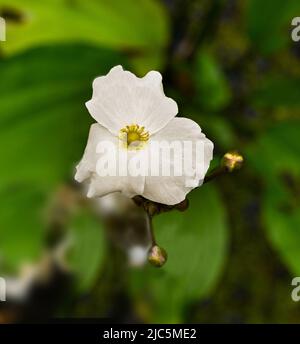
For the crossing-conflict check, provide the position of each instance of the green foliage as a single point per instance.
(88, 249)
(268, 23)
(43, 129)
(278, 91)
(275, 157)
(213, 89)
(276, 150)
(21, 230)
(196, 242)
(220, 130)
(118, 24)
(44, 121)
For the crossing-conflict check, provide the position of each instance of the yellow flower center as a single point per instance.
(133, 136)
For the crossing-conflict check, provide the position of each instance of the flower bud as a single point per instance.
(157, 256)
(232, 161)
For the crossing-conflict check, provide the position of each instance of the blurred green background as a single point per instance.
(232, 67)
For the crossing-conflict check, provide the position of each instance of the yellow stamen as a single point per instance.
(133, 136)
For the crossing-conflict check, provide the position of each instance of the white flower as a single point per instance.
(136, 110)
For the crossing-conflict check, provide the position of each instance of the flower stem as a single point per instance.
(217, 172)
(230, 162)
(151, 230)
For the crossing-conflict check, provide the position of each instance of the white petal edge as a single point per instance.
(172, 190)
(120, 98)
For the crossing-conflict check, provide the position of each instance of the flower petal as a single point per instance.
(128, 186)
(120, 98)
(87, 165)
(87, 168)
(172, 189)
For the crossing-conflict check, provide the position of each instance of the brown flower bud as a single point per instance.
(157, 256)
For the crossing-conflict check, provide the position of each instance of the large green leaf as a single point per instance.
(121, 24)
(196, 242)
(275, 157)
(43, 122)
(43, 130)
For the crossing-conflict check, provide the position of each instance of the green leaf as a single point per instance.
(282, 218)
(278, 91)
(43, 131)
(118, 24)
(196, 242)
(269, 22)
(213, 89)
(21, 231)
(275, 157)
(221, 130)
(276, 150)
(44, 123)
(88, 249)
